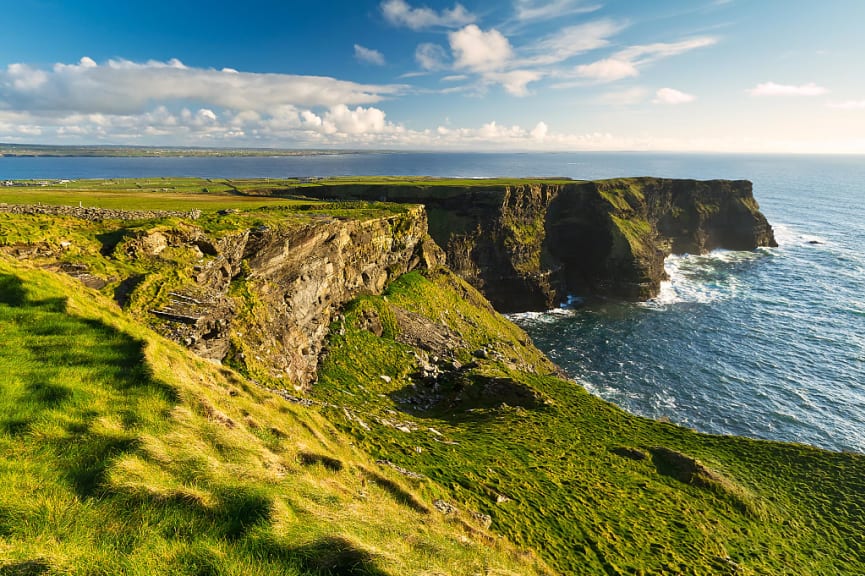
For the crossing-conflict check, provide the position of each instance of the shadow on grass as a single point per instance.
(331, 556)
(462, 396)
(110, 240)
(397, 492)
(72, 371)
(25, 568)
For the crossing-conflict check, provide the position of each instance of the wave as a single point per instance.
(787, 235)
(704, 278)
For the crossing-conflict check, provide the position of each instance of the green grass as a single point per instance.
(146, 194)
(121, 453)
(593, 489)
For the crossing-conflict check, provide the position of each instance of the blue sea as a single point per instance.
(767, 344)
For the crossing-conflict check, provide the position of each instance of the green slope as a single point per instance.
(121, 453)
(595, 490)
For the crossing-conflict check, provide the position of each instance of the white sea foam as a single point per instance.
(785, 235)
(700, 279)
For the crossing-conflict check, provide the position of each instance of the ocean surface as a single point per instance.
(767, 344)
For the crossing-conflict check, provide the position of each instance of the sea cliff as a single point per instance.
(529, 245)
(356, 407)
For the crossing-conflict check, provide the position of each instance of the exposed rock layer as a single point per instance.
(528, 246)
(265, 298)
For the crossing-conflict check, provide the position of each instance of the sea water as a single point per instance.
(767, 343)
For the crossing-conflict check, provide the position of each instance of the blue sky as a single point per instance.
(696, 75)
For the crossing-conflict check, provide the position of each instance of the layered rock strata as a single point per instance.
(265, 298)
(528, 246)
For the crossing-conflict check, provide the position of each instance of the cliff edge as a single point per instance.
(529, 245)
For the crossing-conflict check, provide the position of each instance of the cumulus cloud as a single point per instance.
(125, 87)
(480, 51)
(368, 55)
(773, 89)
(125, 101)
(533, 10)
(672, 96)
(400, 13)
(514, 81)
(431, 56)
(539, 132)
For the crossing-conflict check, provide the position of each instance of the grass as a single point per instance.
(593, 489)
(125, 454)
(122, 453)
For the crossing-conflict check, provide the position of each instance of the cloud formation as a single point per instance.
(479, 51)
(626, 63)
(608, 70)
(128, 101)
(537, 10)
(571, 41)
(672, 96)
(400, 13)
(368, 55)
(773, 89)
(125, 87)
(431, 56)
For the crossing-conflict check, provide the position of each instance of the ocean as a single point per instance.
(768, 344)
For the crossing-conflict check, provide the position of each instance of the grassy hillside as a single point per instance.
(595, 490)
(437, 439)
(121, 453)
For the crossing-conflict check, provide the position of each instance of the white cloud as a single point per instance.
(358, 121)
(400, 13)
(646, 53)
(431, 56)
(573, 40)
(848, 105)
(625, 63)
(514, 81)
(607, 70)
(773, 89)
(528, 10)
(672, 96)
(480, 51)
(124, 87)
(539, 132)
(368, 55)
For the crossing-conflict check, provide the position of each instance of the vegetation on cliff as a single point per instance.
(436, 439)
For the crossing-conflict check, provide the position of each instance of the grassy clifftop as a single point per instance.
(436, 440)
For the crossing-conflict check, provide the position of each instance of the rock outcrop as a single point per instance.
(264, 298)
(528, 246)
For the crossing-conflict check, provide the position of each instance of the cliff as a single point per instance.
(257, 290)
(435, 435)
(527, 246)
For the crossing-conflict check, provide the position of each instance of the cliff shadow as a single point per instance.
(462, 395)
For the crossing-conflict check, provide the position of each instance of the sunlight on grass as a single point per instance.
(122, 453)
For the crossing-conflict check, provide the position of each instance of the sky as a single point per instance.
(776, 76)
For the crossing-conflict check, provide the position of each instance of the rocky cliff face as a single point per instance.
(265, 298)
(528, 246)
